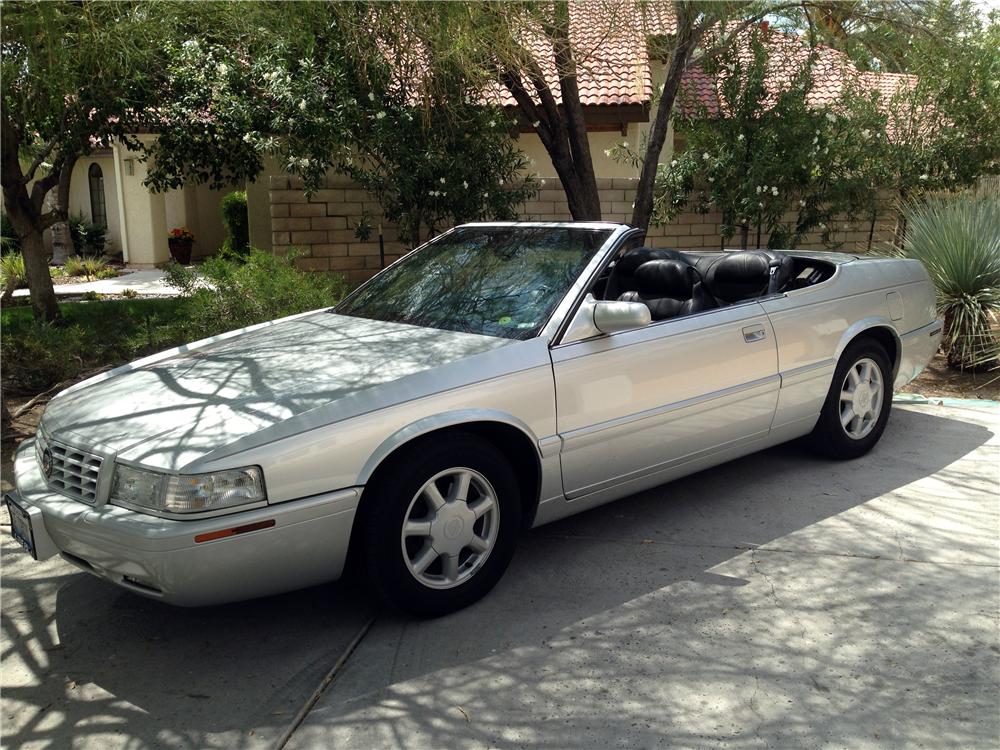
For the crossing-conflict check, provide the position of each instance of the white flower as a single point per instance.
(371, 96)
(815, 139)
(541, 183)
(758, 190)
(444, 192)
(536, 123)
(831, 117)
(465, 184)
(866, 133)
(607, 152)
(485, 196)
(380, 116)
(705, 156)
(739, 137)
(223, 69)
(441, 180)
(673, 162)
(711, 179)
(924, 176)
(760, 205)
(247, 138)
(493, 123)
(802, 203)
(302, 105)
(624, 144)
(774, 191)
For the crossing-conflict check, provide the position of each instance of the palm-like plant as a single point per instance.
(957, 238)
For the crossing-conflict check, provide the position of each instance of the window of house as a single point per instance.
(98, 206)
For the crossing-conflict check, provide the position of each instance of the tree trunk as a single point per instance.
(687, 39)
(25, 211)
(899, 235)
(744, 234)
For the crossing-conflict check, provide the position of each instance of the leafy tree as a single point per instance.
(76, 76)
(340, 88)
(764, 153)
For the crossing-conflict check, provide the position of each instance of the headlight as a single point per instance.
(188, 493)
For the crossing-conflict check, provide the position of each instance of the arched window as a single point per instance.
(98, 206)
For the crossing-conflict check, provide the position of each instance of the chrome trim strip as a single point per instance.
(550, 446)
(807, 372)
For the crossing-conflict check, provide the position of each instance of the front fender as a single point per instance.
(436, 422)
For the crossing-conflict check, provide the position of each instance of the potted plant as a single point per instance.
(180, 241)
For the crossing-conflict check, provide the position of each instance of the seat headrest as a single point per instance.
(666, 278)
(738, 276)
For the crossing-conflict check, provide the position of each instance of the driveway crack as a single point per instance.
(324, 684)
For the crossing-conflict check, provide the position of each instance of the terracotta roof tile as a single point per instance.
(609, 39)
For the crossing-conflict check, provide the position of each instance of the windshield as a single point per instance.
(495, 281)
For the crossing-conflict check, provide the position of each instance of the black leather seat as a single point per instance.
(622, 278)
(734, 277)
(669, 288)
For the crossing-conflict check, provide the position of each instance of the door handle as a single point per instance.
(753, 333)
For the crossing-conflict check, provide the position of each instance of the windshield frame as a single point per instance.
(567, 303)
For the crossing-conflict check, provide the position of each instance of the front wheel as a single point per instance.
(857, 407)
(440, 524)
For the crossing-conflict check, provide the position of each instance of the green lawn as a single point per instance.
(94, 335)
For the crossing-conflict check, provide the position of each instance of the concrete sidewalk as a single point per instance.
(777, 601)
(146, 283)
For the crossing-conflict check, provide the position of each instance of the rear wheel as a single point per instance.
(857, 407)
(440, 524)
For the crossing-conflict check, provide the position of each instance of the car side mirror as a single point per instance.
(596, 317)
(611, 317)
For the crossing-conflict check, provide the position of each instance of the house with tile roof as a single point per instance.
(615, 45)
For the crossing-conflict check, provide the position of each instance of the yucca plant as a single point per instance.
(12, 275)
(957, 238)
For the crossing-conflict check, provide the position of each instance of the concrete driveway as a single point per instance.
(777, 601)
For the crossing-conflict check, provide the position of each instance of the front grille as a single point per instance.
(71, 471)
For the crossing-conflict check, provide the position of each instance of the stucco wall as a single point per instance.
(79, 196)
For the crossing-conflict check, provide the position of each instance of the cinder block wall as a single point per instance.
(323, 225)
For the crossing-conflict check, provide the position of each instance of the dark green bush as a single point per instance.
(225, 294)
(36, 356)
(88, 239)
(237, 221)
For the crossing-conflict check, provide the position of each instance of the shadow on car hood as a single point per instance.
(168, 412)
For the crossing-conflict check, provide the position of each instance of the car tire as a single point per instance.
(423, 546)
(857, 406)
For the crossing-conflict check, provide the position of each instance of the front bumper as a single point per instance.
(159, 558)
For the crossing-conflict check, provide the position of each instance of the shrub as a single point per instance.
(86, 266)
(12, 274)
(9, 241)
(88, 239)
(106, 273)
(957, 238)
(37, 356)
(237, 221)
(226, 294)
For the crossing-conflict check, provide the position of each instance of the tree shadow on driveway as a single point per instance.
(105, 666)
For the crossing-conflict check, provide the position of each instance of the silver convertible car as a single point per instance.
(500, 377)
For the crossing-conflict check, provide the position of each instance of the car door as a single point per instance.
(643, 401)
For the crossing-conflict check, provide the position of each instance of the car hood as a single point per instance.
(169, 411)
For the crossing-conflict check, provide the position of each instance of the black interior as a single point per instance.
(672, 283)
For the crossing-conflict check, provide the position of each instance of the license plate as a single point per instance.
(20, 526)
